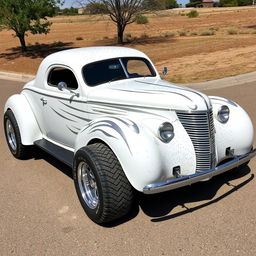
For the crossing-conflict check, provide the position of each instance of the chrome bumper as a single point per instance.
(199, 176)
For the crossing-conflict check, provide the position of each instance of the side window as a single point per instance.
(60, 74)
(137, 67)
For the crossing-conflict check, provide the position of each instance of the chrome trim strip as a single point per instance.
(56, 97)
(199, 176)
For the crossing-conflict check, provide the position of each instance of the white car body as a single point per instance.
(126, 115)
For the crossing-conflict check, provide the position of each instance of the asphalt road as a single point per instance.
(41, 215)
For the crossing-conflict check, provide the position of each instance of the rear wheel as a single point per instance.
(13, 137)
(101, 185)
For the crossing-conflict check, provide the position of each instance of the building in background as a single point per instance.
(207, 3)
(81, 10)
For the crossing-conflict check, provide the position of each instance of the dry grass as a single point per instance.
(190, 58)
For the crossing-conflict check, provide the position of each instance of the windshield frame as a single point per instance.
(124, 69)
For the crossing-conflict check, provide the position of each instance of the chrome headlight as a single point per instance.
(223, 114)
(166, 132)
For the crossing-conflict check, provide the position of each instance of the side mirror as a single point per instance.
(164, 70)
(62, 85)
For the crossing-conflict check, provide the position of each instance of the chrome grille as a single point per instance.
(200, 128)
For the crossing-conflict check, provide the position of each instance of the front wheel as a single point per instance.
(102, 187)
(13, 137)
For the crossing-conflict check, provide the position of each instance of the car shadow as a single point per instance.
(36, 51)
(160, 206)
(39, 154)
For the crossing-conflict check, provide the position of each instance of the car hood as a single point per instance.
(149, 93)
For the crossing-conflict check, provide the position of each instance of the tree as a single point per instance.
(95, 8)
(24, 16)
(153, 5)
(121, 12)
(69, 11)
(195, 3)
(170, 4)
(228, 3)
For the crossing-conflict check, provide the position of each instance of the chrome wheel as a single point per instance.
(11, 137)
(87, 185)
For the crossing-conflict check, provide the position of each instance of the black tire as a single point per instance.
(114, 192)
(14, 138)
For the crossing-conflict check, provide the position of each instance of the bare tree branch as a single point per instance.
(121, 12)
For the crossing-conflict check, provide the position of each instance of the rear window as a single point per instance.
(60, 74)
(116, 69)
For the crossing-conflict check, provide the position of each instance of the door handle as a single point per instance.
(44, 101)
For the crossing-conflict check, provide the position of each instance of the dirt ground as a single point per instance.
(190, 58)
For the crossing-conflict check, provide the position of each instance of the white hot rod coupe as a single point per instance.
(105, 112)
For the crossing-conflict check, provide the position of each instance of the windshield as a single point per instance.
(116, 69)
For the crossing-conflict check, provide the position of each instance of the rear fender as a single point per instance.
(28, 126)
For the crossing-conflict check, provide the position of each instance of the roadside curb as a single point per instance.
(214, 84)
(16, 77)
(223, 82)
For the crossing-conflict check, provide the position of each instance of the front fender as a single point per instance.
(237, 133)
(144, 158)
(131, 145)
(29, 129)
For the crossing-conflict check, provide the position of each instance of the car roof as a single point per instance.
(82, 56)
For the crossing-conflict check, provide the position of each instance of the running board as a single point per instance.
(58, 152)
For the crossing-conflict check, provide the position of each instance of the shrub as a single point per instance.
(128, 37)
(207, 33)
(141, 19)
(214, 29)
(193, 14)
(79, 38)
(182, 33)
(169, 34)
(193, 33)
(244, 32)
(144, 36)
(232, 32)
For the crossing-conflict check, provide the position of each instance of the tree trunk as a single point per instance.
(120, 34)
(22, 43)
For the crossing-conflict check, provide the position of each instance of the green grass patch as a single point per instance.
(141, 19)
(232, 32)
(207, 33)
(193, 14)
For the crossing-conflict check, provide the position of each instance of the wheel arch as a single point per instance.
(28, 126)
(130, 142)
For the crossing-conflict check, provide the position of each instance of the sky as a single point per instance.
(69, 3)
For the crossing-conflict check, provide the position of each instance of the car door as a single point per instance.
(64, 111)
